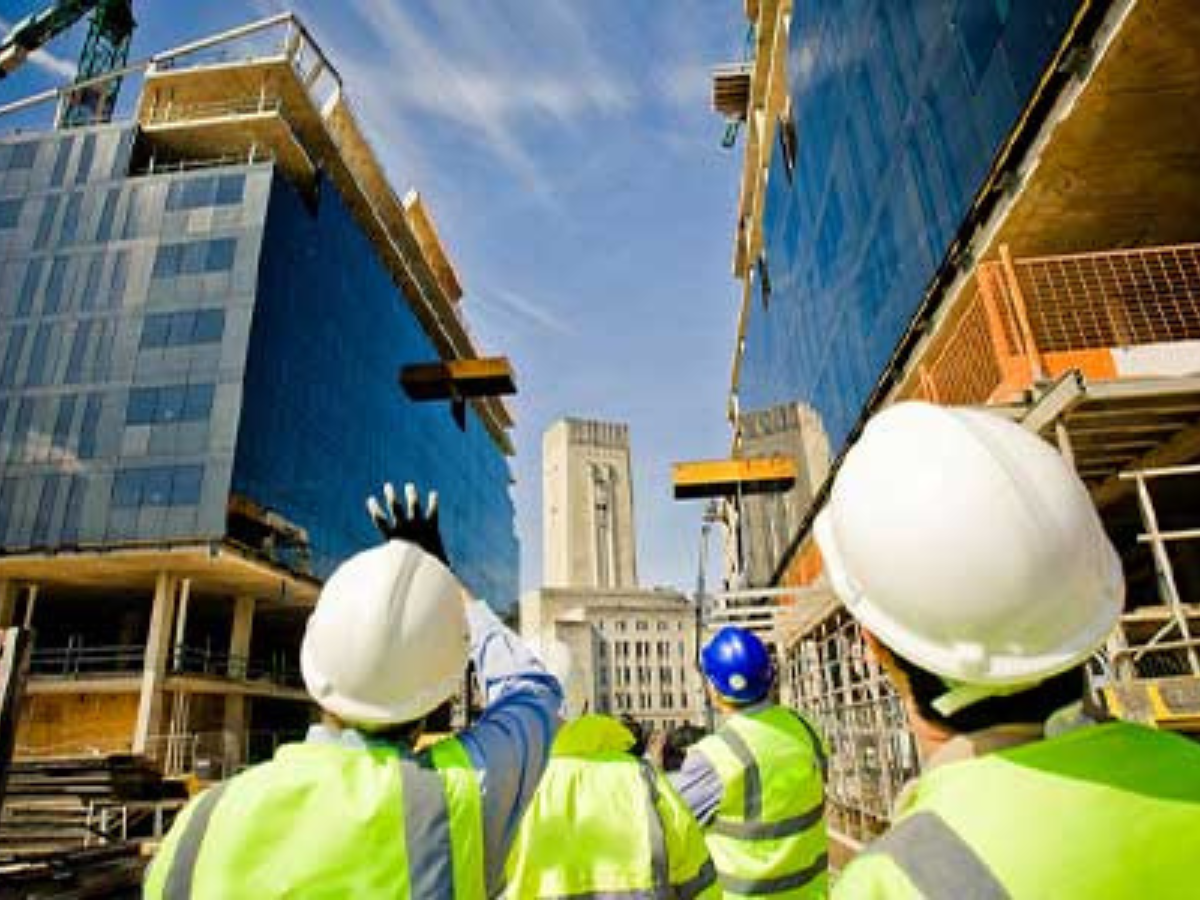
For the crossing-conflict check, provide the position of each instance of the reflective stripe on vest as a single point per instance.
(439, 855)
(660, 870)
(937, 861)
(465, 803)
(1111, 810)
(598, 827)
(768, 836)
(183, 866)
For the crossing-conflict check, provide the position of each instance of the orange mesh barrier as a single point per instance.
(1039, 317)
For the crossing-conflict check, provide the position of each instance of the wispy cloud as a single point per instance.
(523, 307)
(48, 62)
(491, 72)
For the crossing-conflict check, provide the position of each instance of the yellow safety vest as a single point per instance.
(605, 824)
(1108, 811)
(768, 836)
(329, 821)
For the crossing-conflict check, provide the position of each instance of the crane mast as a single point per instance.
(105, 49)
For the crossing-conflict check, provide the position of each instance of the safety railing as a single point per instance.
(829, 673)
(1036, 318)
(78, 661)
(1173, 648)
(171, 111)
(215, 754)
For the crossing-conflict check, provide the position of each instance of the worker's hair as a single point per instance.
(675, 747)
(639, 734)
(1032, 706)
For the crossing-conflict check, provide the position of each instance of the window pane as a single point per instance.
(127, 490)
(23, 156)
(210, 325)
(33, 280)
(166, 261)
(170, 403)
(86, 155)
(230, 189)
(91, 284)
(62, 424)
(194, 258)
(87, 428)
(156, 486)
(197, 403)
(120, 275)
(186, 482)
(221, 254)
(154, 330)
(12, 356)
(46, 225)
(197, 192)
(142, 405)
(54, 286)
(181, 329)
(62, 157)
(10, 213)
(78, 348)
(175, 196)
(41, 524)
(104, 229)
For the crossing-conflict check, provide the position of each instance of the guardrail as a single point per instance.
(115, 661)
(1036, 318)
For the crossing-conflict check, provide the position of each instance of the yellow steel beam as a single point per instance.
(728, 477)
(459, 379)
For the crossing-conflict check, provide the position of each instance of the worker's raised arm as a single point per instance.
(510, 743)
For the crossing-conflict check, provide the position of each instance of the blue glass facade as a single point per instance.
(325, 423)
(900, 108)
(123, 324)
(167, 339)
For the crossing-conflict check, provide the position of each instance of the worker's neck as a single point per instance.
(931, 737)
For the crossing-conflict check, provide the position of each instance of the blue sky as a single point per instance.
(568, 154)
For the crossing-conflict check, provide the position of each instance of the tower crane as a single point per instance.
(106, 49)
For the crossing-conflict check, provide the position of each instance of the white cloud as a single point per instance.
(48, 62)
(488, 73)
(523, 307)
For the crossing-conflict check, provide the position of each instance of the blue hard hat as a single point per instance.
(737, 664)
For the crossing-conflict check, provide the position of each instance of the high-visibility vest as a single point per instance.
(604, 823)
(1108, 811)
(329, 821)
(768, 835)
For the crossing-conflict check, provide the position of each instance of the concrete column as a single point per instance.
(235, 704)
(9, 592)
(154, 668)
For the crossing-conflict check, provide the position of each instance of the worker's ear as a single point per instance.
(886, 661)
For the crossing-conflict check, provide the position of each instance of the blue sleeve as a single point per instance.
(699, 785)
(510, 743)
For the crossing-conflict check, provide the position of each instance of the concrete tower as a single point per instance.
(587, 496)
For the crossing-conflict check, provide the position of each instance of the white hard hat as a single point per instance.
(969, 547)
(388, 640)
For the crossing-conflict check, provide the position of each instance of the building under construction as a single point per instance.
(205, 309)
(995, 206)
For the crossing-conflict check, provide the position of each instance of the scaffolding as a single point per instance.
(828, 672)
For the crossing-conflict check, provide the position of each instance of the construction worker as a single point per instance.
(605, 823)
(757, 783)
(353, 811)
(975, 561)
